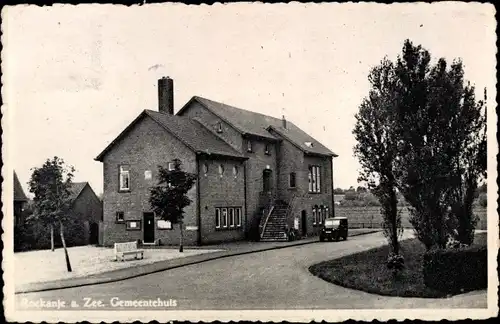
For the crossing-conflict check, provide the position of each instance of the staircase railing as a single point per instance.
(267, 219)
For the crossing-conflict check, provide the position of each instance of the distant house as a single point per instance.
(257, 175)
(86, 210)
(20, 201)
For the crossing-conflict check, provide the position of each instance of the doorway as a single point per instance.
(303, 221)
(94, 233)
(149, 228)
(266, 179)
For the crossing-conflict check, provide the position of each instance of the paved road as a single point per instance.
(276, 279)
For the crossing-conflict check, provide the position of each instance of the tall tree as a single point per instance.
(169, 197)
(51, 186)
(441, 145)
(376, 147)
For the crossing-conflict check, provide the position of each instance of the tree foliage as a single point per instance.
(422, 131)
(376, 147)
(52, 202)
(169, 197)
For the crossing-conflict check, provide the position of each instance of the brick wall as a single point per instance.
(145, 147)
(370, 217)
(257, 162)
(88, 206)
(211, 121)
(220, 191)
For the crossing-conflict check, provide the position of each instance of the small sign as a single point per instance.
(191, 228)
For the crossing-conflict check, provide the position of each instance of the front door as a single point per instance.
(267, 181)
(149, 228)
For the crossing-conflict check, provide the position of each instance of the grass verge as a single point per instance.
(367, 271)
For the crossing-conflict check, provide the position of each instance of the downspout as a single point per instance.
(333, 193)
(198, 203)
(245, 198)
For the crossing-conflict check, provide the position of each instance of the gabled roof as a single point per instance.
(76, 189)
(18, 190)
(189, 131)
(256, 124)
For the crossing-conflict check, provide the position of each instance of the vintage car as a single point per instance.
(334, 229)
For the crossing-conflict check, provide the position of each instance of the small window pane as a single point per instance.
(224, 217)
(205, 168)
(249, 146)
(217, 217)
(221, 169)
(171, 166)
(231, 217)
(292, 180)
(238, 217)
(235, 170)
(148, 175)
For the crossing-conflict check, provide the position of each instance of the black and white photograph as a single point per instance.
(249, 161)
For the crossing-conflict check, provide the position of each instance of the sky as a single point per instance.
(76, 76)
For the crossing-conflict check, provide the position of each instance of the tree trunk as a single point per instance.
(68, 264)
(52, 237)
(394, 221)
(181, 243)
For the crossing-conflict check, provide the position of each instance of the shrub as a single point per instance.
(395, 262)
(456, 270)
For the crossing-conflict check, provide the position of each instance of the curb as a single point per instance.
(134, 272)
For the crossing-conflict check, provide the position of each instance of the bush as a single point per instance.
(456, 270)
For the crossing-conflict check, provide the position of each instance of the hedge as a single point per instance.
(456, 270)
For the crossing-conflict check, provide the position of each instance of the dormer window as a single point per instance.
(219, 127)
(309, 144)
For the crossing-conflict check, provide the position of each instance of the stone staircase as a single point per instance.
(275, 228)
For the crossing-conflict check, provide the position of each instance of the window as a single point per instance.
(249, 146)
(314, 216)
(314, 179)
(292, 180)
(120, 217)
(221, 169)
(219, 127)
(217, 217)
(148, 175)
(163, 224)
(238, 217)
(124, 177)
(231, 217)
(134, 225)
(326, 213)
(267, 150)
(308, 144)
(228, 218)
(235, 171)
(171, 166)
(205, 168)
(224, 217)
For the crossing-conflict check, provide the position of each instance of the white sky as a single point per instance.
(76, 76)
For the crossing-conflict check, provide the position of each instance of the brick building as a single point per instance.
(86, 212)
(20, 200)
(257, 176)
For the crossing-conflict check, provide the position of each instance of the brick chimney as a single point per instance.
(283, 122)
(166, 95)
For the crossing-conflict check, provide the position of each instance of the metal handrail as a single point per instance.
(267, 219)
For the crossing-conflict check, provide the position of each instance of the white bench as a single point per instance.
(123, 249)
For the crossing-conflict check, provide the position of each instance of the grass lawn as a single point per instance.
(367, 271)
